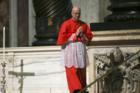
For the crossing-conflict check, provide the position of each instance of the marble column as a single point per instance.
(13, 23)
(32, 29)
(22, 12)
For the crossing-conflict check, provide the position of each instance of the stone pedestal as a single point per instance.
(124, 11)
(116, 37)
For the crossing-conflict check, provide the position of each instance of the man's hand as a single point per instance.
(72, 37)
(84, 39)
(79, 32)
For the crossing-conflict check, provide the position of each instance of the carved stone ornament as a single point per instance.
(125, 72)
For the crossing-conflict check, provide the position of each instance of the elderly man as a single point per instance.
(73, 36)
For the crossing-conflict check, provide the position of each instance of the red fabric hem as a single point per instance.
(76, 78)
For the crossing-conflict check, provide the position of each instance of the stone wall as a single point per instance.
(92, 10)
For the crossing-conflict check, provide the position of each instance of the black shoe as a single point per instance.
(76, 91)
(86, 92)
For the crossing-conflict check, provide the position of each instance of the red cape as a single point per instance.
(69, 27)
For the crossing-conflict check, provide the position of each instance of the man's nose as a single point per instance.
(77, 15)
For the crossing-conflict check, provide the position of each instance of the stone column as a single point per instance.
(13, 23)
(49, 15)
(31, 22)
(22, 12)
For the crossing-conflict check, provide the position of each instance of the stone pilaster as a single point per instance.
(13, 23)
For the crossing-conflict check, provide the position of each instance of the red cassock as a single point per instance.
(76, 77)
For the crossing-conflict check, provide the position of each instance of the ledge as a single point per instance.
(32, 49)
(105, 26)
(116, 37)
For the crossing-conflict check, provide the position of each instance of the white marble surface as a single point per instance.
(111, 35)
(45, 62)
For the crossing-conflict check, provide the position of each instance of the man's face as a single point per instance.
(76, 14)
